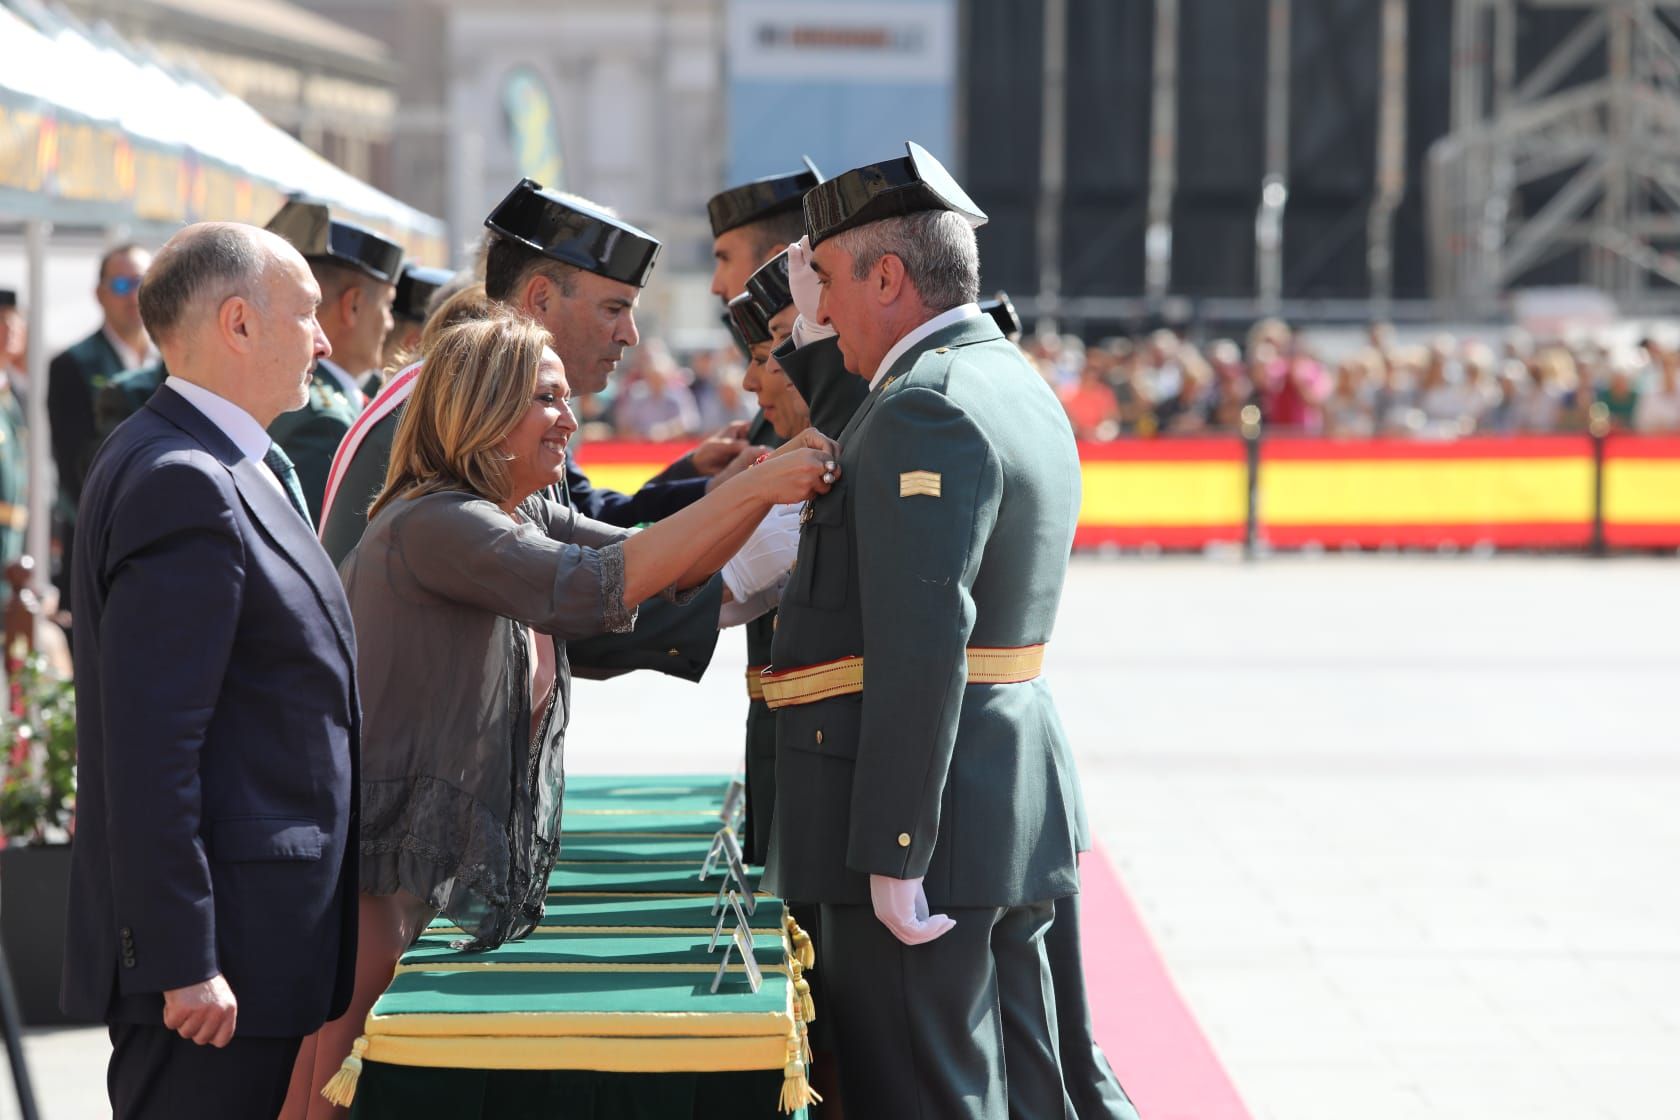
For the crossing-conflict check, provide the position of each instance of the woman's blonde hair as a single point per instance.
(477, 382)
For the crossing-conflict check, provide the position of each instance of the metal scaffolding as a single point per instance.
(1615, 139)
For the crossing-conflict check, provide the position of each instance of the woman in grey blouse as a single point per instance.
(464, 590)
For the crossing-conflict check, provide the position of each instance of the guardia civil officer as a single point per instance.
(924, 786)
(14, 432)
(579, 270)
(357, 270)
(751, 224)
(1092, 1087)
(416, 289)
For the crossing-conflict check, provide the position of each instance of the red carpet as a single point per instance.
(1143, 1024)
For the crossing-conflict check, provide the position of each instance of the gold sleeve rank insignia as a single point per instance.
(914, 483)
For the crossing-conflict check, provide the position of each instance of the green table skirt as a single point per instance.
(605, 1011)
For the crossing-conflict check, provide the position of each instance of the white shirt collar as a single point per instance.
(237, 424)
(127, 355)
(938, 322)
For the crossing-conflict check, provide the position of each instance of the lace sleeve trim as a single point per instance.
(618, 619)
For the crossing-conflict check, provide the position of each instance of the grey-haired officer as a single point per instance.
(357, 270)
(925, 789)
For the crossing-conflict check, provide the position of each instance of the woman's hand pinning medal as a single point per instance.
(806, 465)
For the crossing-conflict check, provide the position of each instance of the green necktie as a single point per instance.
(277, 461)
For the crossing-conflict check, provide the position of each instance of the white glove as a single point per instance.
(735, 613)
(807, 292)
(768, 553)
(902, 906)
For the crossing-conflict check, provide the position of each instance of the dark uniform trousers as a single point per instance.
(991, 978)
(1096, 1094)
(155, 1074)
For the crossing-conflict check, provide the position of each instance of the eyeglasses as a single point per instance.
(123, 285)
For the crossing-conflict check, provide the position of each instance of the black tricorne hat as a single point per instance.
(574, 233)
(887, 189)
(1003, 313)
(315, 233)
(748, 321)
(415, 289)
(735, 335)
(747, 203)
(768, 286)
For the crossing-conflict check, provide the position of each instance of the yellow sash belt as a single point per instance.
(784, 688)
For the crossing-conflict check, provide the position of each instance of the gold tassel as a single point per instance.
(796, 1086)
(341, 1090)
(806, 951)
(801, 941)
(807, 1007)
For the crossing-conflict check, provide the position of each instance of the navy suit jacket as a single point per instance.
(218, 733)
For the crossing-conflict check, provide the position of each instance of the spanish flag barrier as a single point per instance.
(1555, 492)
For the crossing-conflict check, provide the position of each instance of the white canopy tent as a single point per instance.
(97, 133)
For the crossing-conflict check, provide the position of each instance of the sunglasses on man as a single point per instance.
(123, 285)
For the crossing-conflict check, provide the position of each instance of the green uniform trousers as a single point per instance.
(962, 1028)
(1093, 1089)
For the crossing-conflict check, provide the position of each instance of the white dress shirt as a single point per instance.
(235, 423)
(130, 358)
(938, 322)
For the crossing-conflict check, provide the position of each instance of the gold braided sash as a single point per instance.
(755, 682)
(784, 688)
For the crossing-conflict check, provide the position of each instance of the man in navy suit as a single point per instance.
(213, 881)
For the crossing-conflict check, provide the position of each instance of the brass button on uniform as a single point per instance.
(819, 736)
(672, 652)
(904, 839)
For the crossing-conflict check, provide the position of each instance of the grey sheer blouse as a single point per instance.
(460, 802)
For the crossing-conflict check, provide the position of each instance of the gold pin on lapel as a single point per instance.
(919, 483)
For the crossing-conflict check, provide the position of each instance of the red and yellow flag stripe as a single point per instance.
(1513, 492)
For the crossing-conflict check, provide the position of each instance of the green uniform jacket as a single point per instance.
(14, 474)
(310, 435)
(74, 379)
(922, 775)
(761, 725)
(123, 395)
(819, 373)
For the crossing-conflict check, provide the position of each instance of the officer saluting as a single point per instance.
(922, 766)
(357, 270)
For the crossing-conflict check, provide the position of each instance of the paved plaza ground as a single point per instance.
(1404, 829)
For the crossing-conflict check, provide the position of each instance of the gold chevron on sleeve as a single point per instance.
(918, 483)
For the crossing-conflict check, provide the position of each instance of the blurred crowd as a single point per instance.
(653, 396)
(1161, 384)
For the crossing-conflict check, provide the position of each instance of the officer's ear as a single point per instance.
(888, 279)
(349, 303)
